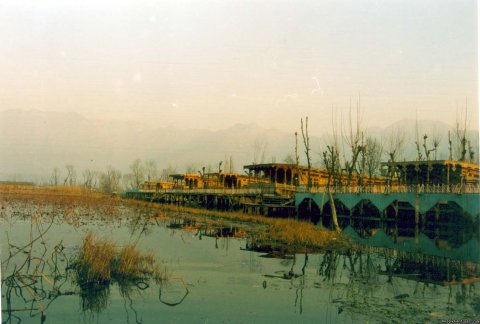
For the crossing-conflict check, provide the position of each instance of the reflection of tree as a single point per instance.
(328, 265)
(36, 274)
(399, 298)
(300, 286)
(167, 289)
(35, 281)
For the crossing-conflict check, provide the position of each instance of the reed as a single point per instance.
(300, 234)
(296, 234)
(286, 231)
(100, 262)
(94, 262)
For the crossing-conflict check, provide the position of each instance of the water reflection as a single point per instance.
(35, 274)
(377, 279)
(389, 282)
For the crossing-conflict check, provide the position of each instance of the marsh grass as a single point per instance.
(298, 236)
(276, 231)
(101, 262)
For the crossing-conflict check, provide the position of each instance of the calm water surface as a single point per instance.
(215, 280)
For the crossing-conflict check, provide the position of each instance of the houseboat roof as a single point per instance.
(463, 164)
(277, 165)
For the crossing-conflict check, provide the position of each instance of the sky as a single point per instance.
(213, 64)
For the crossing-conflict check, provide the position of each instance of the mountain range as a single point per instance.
(34, 142)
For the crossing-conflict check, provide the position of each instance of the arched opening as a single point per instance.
(343, 214)
(309, 210)
(288, 176)
(280, 176)
(366, 217)
(401, 218)
(447, 222)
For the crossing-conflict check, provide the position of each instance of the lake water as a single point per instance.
(216, 280)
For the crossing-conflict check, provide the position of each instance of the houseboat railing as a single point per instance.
(458, 189)
(214, 191)
(288, 189)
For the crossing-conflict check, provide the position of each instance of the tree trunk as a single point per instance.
(334, 212)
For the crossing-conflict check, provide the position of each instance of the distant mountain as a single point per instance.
(34, 142)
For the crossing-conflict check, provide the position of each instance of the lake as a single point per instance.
(215, 278)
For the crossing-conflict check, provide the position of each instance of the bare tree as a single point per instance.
(331, 162)
(259, 150)
(306, 143)
(54, 177)
(450, 147)
(417, 142)
(297, 160)
(436, 143)
(191, 168)
(471, 152)
(151, 169)
(354, 141)
(289, 159)
(228, 164)
(128, 181)
(165, 176)
(89, 178)
(138, 173)
(395, 145)
(110, 180)
(461, 135)
(71, 175)
(373, 156)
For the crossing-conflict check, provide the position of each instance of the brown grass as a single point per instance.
(94, 262)
(280, 231)
(301, 235)
(100, 262)
(297, 234)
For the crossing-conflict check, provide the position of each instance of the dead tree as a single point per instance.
(110, 180)
(354, 142)
(71, 175)
(331, 162)
(150, 169)
(297, 159)
(89, 178)
(417, 142)
(395, 144)
(306, 143)
(372, 157)
(259, 150)
(461, 134)
(55, 176)
(450, 147)
(138, 173)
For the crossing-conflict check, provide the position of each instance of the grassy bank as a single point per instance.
(296, 234)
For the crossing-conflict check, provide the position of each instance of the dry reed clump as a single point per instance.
(99, 262)
(298, 234)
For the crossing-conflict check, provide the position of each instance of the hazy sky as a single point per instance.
(211, 64)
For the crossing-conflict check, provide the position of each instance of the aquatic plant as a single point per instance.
(100, 262)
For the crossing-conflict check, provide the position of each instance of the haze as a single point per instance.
(213, 64)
